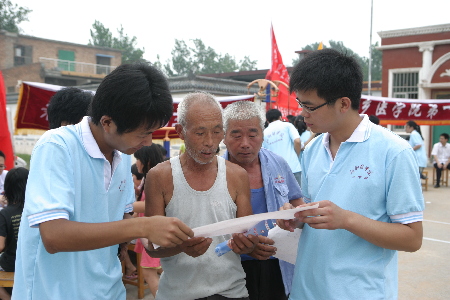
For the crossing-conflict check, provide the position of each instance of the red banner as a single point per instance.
(32, 105)
(284, 102)
(34, 98)
(5, 135)
(398, 111)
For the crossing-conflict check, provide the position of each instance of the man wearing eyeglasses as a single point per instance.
(365, 180)
(282, 138)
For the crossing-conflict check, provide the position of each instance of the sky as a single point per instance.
(240, 28)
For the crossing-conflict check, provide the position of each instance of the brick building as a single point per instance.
(416, 65)
(28, 58)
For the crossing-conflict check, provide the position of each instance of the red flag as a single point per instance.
(284, 102)
(5, 135)
(32, 105)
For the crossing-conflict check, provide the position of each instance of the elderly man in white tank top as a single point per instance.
(200, 188)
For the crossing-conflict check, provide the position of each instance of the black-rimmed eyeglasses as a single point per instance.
(309, 109)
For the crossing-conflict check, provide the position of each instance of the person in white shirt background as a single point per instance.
(441, 156)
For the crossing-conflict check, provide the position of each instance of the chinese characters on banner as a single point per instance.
(397, 111)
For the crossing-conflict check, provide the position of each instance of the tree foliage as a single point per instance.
(103, 37)
(11, 15)
(363, 61)
(201, 59)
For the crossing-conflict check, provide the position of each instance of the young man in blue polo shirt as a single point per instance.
(365, 180)
(80, 193)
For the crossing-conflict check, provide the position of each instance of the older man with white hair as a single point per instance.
(200, 188)
(272, 184)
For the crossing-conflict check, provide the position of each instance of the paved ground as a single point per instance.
(424, 274)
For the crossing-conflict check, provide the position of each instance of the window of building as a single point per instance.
(22, 55)
(405, 85)
(103, 64)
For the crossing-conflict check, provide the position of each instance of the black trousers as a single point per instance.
(439, 172)
(264, 281)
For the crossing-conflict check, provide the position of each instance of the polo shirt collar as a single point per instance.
(89, 142)
(359, 135)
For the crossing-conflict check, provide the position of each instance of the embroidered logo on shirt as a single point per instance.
(361, 172)
(122, 185)
(279, 179)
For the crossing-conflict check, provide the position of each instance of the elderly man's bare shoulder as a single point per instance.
(235, 172)
(162, 172)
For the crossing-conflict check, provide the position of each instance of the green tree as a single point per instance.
(103, 37)
(363, 61)
(247, 64)
(11, 15)
(201, 59)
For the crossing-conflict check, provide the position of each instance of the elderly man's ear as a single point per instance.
(179, 130)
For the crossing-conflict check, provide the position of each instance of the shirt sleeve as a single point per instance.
(50, 186)
(415, 139)
(295, 191)
(293, 132)
(435, 150)
(402, 172)
(408, 218)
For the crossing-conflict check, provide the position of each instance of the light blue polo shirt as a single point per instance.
(373, 174)
(71, 179)
(414, 140)
(279, 138)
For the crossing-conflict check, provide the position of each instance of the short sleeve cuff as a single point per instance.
(411, 217)
(36, 219)
(129, 208)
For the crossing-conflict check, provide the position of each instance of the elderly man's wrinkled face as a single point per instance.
(203, 132)
(244, 140)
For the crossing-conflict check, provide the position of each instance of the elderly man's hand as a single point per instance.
(242, 244)
(263, 249)
(196, 246)
(288, 225)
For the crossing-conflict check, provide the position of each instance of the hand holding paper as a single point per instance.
(242, 224)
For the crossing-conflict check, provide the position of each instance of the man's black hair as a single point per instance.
(2, 154)
(445, 135)
(374, 119)
(68, 105)
(332, 74)
(273, 115)
(133, 95)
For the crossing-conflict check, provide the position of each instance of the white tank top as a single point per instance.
(186, 277)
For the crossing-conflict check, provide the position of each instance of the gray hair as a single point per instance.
(242, 110)
(187, 101)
